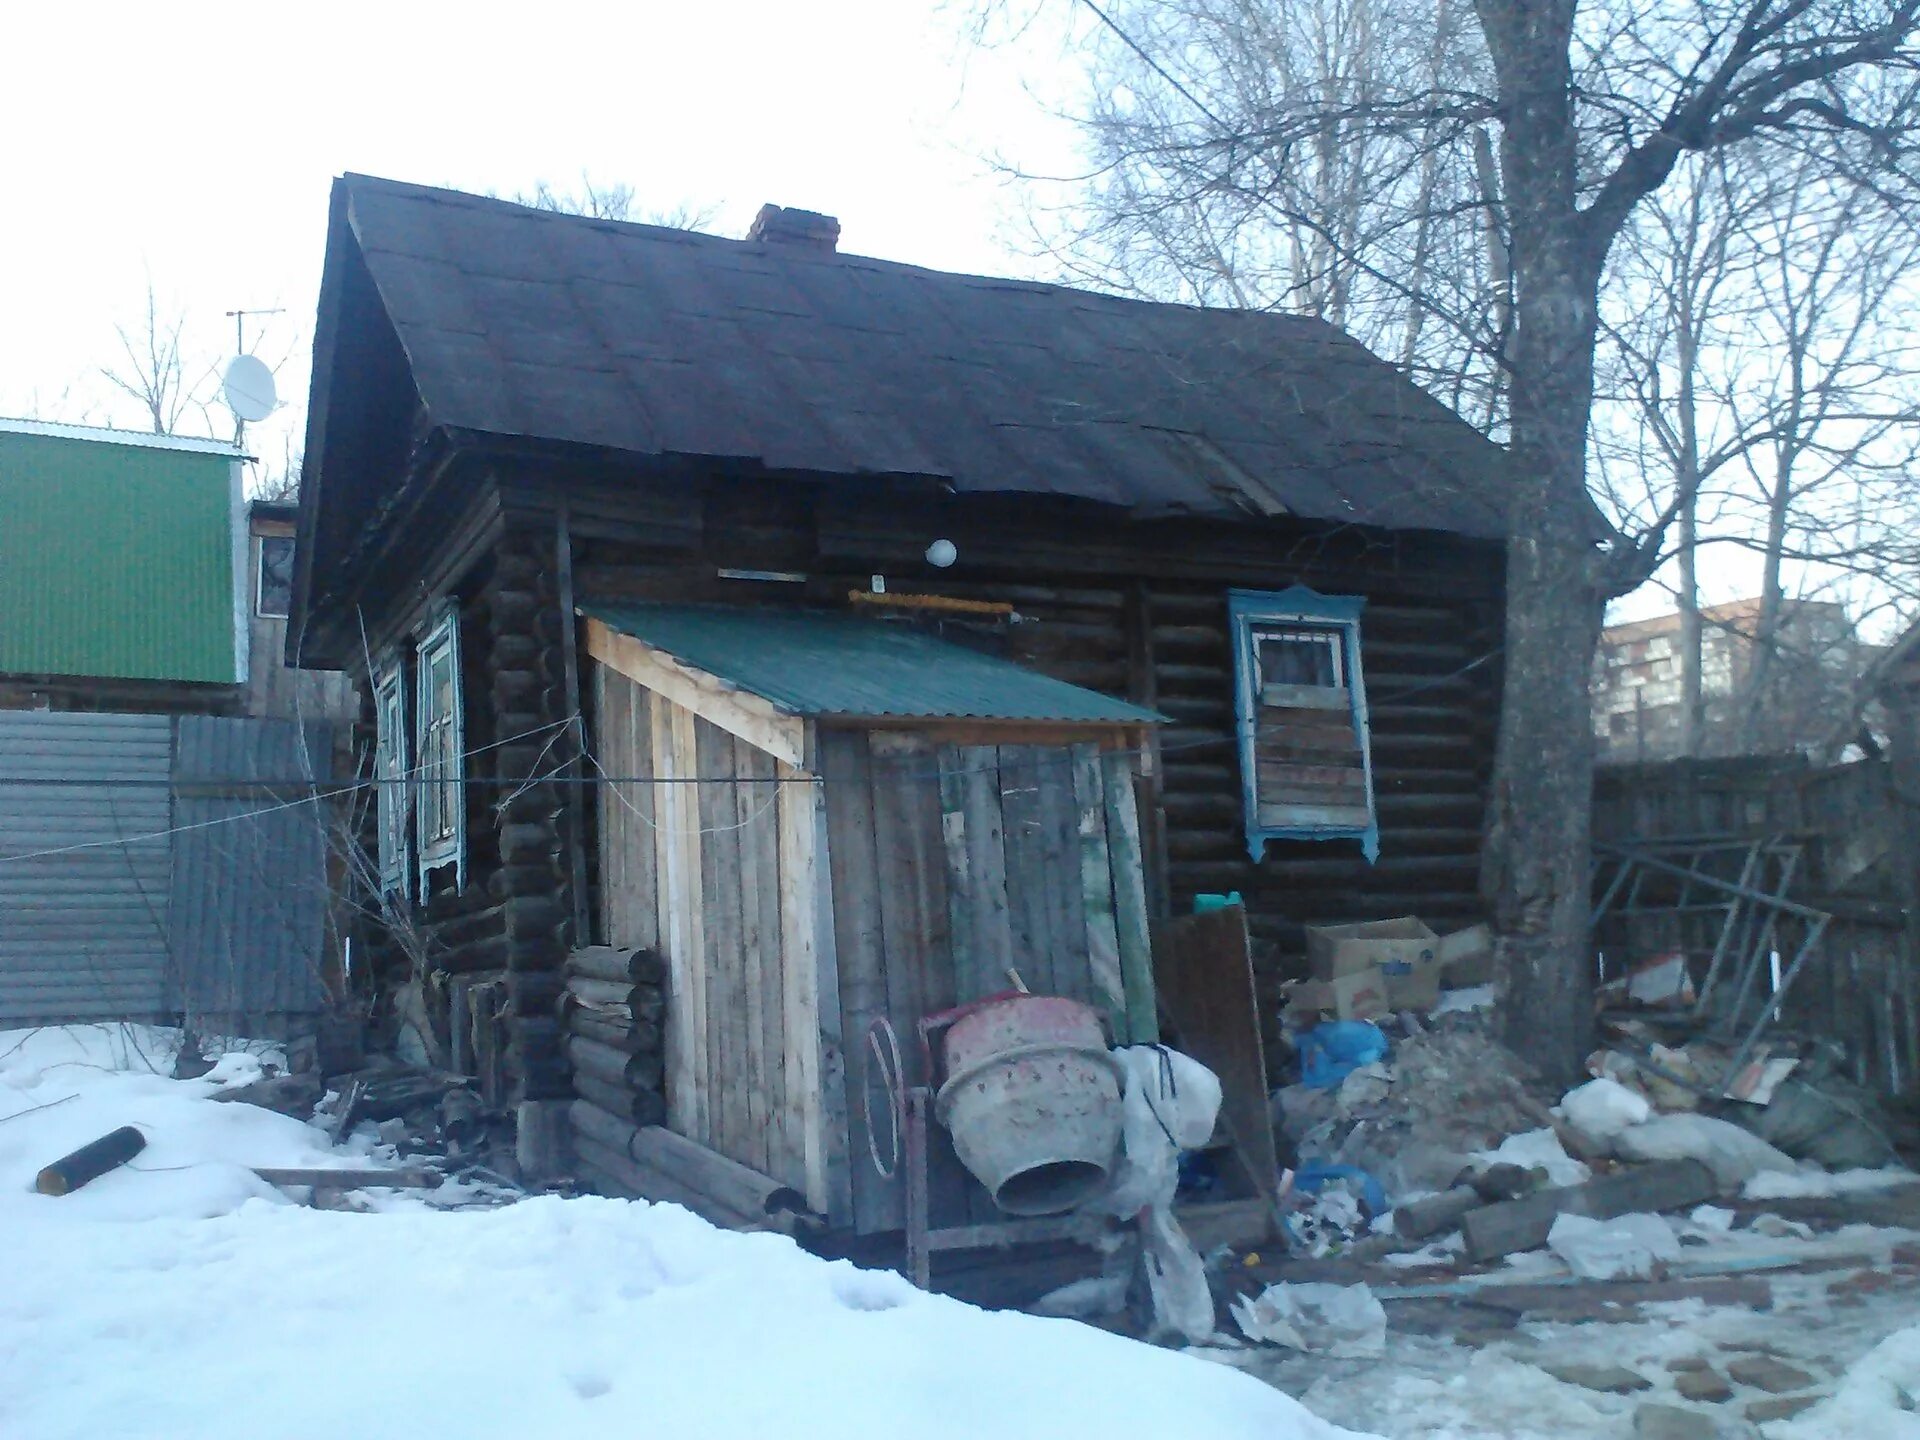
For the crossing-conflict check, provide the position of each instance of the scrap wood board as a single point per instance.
(1203, 974)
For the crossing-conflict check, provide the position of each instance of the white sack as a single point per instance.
(1345, 1321)
(1603, 1108)
(1733, 1155)
(1624, 1248)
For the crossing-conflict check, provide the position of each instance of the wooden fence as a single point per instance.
(1858, 861)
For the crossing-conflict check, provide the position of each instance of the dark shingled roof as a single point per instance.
(661, 342)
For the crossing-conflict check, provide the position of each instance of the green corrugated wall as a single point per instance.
(115, 561)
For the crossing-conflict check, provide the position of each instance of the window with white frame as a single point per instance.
(389, 773)
(1300, 705)
(440, 805)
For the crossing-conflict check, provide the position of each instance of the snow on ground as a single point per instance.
(1876, 1398)
(180, 1295)
(1814, 1183)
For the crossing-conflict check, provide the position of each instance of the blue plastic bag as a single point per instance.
(1311, 1179)
(1334, 1049)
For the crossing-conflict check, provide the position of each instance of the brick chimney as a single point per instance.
(803, 229)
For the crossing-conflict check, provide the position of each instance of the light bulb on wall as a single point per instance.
(941, 554)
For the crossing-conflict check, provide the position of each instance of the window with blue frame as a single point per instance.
(440, 810)
(389, 772)
(1300, 706)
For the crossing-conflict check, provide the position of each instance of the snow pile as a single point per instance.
(1877, 1398)
(183, 1294)
(60, 1088)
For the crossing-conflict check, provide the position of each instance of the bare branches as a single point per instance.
(615, 202)
(152, 372)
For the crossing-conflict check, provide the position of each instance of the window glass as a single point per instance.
(274, 591)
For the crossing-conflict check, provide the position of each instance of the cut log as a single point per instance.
(1523, 1224)
(729, 1184)
(1436, 1213)
(90, 1161)
(350, 1179)
(642, 1180)
(294, 1095)
(540, 1139)
(620, 966)
(600, 992)
(638, 1107)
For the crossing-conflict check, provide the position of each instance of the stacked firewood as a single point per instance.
(613, 1012)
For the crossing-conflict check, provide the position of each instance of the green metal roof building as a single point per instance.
(120, 556)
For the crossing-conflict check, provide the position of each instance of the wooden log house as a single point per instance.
(851, 633)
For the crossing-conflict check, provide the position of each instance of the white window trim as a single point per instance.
(433, 852)
(390, 772)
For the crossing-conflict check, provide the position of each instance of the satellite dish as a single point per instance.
(248, 388)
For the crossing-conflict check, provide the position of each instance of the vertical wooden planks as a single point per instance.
(976, 869)
(1023, 841)
(1096, 888)
(833, 1045)
(753, 804)
(799, 958)
(859, 951)
(1130, 900)
(726, 960)
(677, 862)
(1060, 867)
(628, 903)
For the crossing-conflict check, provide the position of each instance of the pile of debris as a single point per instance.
(1415, 1140)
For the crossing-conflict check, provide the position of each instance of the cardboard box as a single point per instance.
(1466, 957)
(1360, 996)
(1396, 945)
(1413, 985)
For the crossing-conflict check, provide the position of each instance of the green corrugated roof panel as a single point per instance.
(816, 663)
(116, 557)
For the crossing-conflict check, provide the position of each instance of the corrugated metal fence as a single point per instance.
(154, 867)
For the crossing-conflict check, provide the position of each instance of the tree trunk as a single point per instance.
(1538, 835)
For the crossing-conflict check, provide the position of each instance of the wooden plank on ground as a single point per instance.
(1108, 990)
(1204, 968)
(1131, 923)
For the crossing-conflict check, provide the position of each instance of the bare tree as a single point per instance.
(1595, 109)
(614, 202)
(152, 371)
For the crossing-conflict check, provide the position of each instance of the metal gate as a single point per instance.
(85, 866)
(154, 867)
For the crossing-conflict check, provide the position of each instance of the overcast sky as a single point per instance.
(193, 144)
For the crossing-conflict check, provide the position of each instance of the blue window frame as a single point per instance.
(440, 809)
(389, 772)
(1300, 707)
